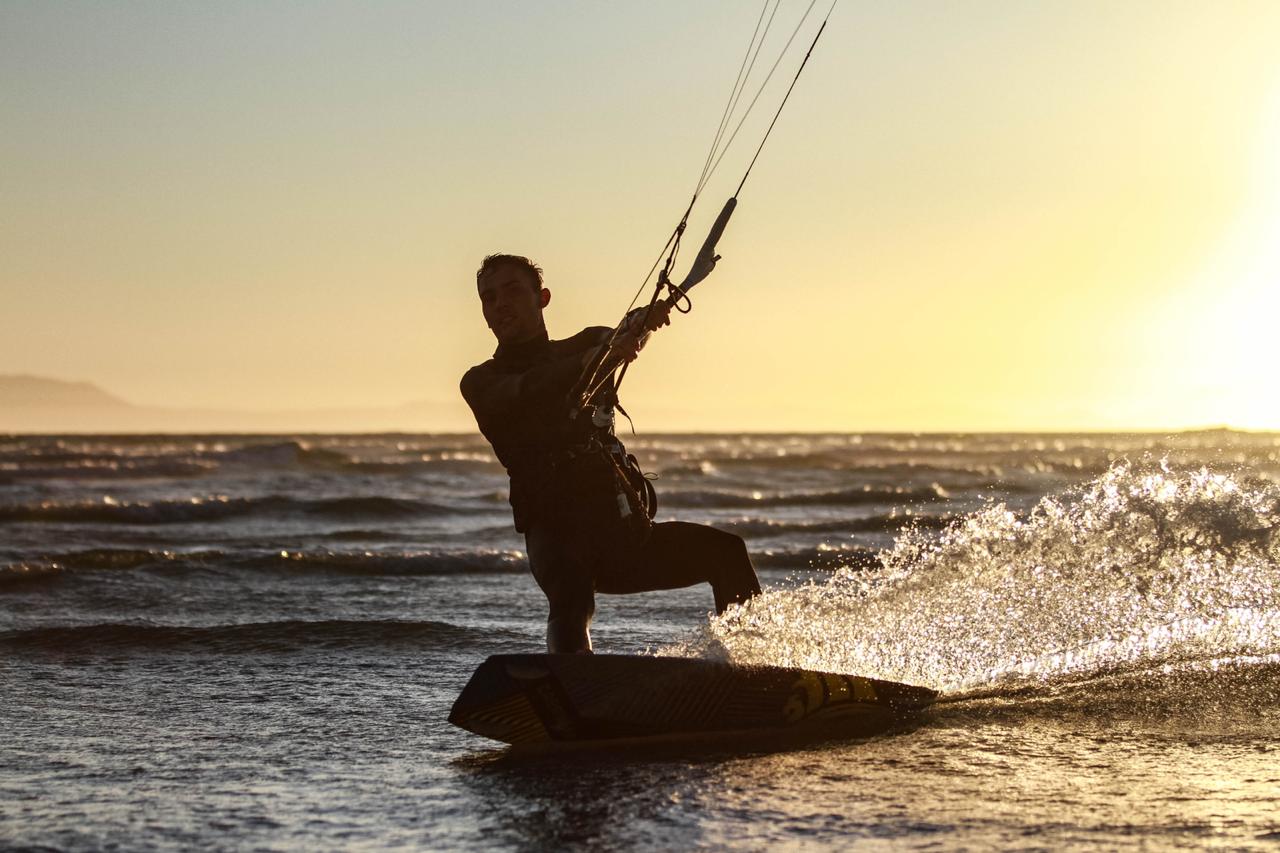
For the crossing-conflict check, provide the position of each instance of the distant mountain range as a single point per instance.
(40, 404)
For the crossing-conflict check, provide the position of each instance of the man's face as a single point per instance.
(512, 303)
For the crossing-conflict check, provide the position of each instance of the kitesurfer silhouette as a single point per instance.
(580, 500)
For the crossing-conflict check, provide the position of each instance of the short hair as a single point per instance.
(492, 262)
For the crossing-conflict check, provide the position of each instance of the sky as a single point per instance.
(971, 216)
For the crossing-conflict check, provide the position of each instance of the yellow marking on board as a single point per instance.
(837, 688)
(806, 696)
(814, 689)
(862, 690)
(811, 692)
(793, 710)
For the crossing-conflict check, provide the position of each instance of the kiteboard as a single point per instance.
(540, 699)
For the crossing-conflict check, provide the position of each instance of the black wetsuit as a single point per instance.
(519, 398)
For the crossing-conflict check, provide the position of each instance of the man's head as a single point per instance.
(512, 297)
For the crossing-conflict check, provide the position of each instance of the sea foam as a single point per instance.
(1142, 567)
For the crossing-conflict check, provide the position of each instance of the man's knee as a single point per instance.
(731, 547)
(737, 580)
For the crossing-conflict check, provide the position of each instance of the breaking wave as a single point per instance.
(1142, 568)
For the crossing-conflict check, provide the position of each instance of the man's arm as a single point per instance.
(625, 342)
(634, 331)
(493, 394)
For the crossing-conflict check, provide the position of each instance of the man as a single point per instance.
(575, 494)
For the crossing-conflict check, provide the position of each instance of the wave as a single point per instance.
(1217, 696)
(361, 564)
(125, 458)
(56, 566)
(824, 556)
(1140, 568)
(215, 508)
(110, 468)
(373, 505)
(881, 523)
(401, 459)
(29, 572)
(282, 636)
(111, 511)
(282, 454)
(488, 561)
(867, 494)
(879, 465)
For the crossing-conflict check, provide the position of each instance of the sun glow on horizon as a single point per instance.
(1230, 310)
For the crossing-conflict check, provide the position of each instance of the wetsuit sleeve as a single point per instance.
(491, 393)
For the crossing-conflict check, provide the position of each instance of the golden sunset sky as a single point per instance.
(978, 215)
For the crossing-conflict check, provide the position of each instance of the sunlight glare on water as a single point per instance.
(1143, 567)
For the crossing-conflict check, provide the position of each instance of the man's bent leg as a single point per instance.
(680, 554)
(569, 590)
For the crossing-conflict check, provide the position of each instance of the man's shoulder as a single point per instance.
(481, 368)
(588, 337)
(474, 377)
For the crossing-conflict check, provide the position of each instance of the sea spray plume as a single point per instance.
(1142, 567)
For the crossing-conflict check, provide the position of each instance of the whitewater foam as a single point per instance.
(1143, 567)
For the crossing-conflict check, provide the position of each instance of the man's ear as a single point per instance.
(544, 298)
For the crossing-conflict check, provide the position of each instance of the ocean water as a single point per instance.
(252, 642)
